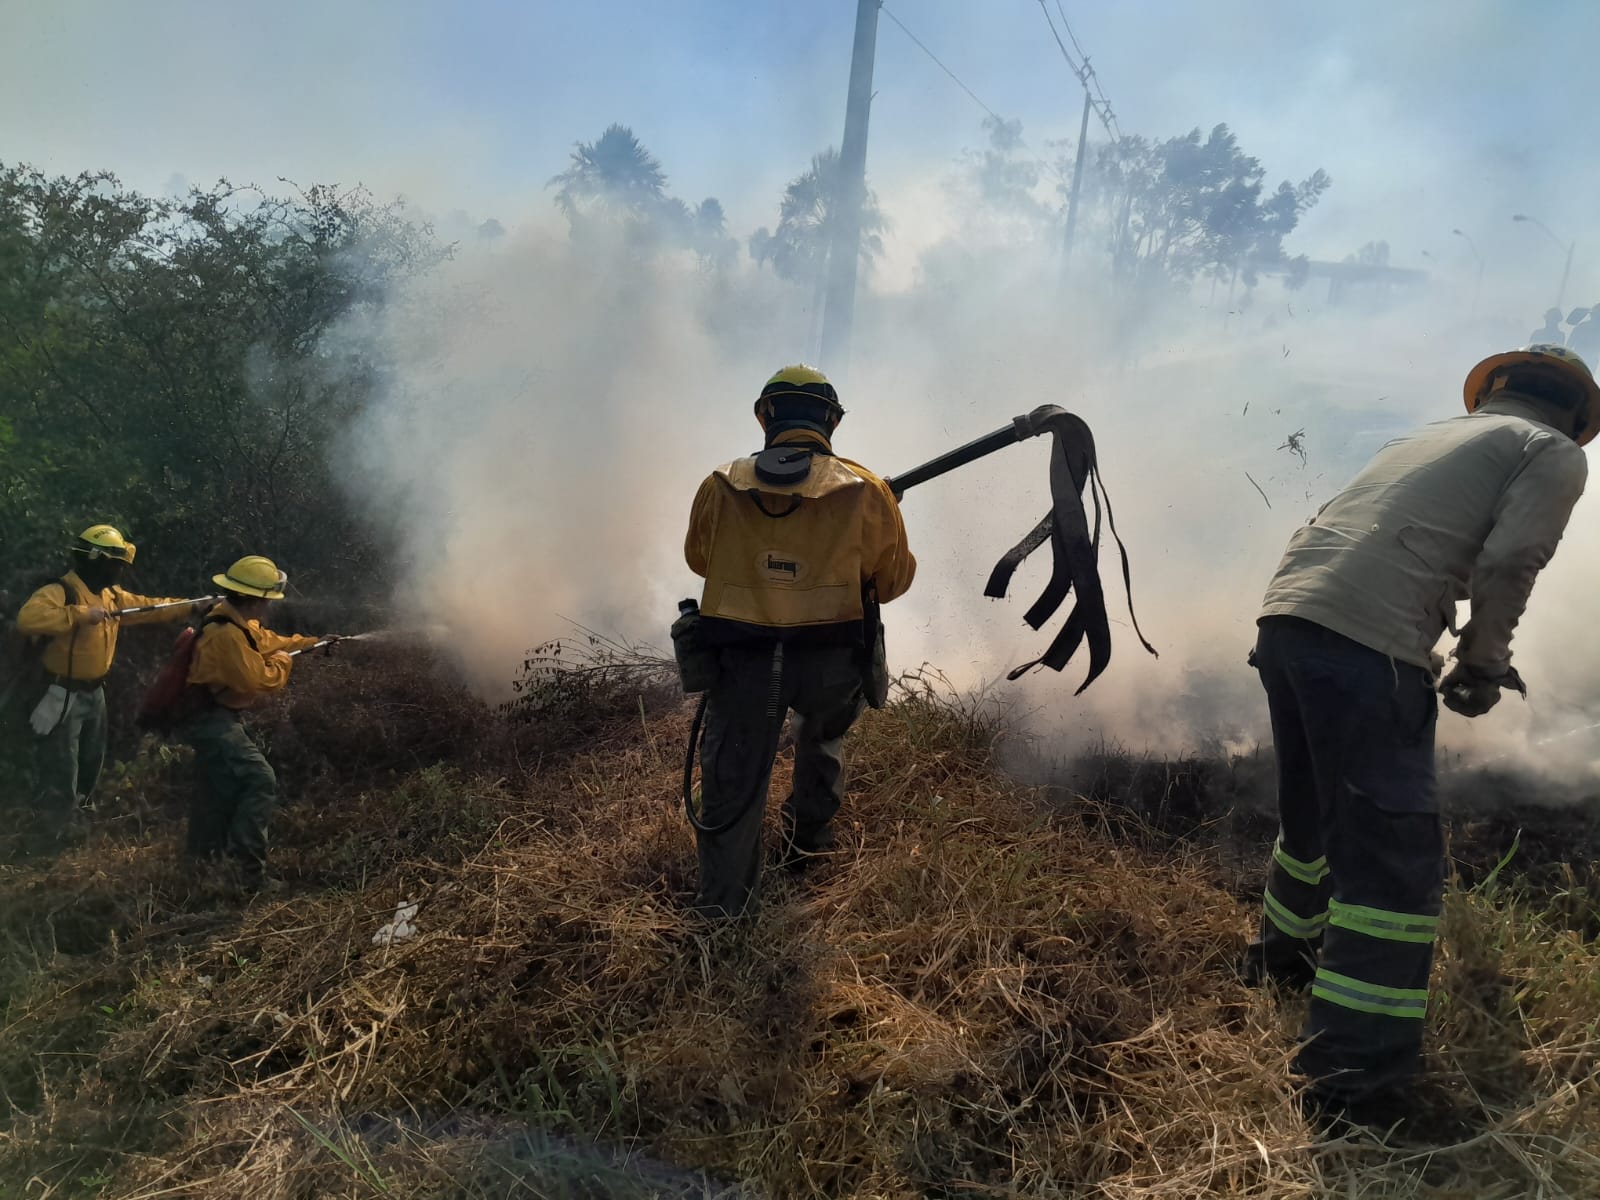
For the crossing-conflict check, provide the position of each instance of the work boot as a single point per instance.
(1394, 1116)
(1254, 972)
(797, 856)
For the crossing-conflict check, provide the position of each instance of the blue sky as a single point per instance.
(1427, 113)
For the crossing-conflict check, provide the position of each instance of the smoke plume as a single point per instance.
(553, 406)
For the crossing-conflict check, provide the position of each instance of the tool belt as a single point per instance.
(76, 685)
(697, 642)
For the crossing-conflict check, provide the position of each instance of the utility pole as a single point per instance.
(1077, 186)
(838, 314)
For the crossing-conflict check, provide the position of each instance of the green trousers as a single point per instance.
(235, 791)
(67, 761)
(822, 685)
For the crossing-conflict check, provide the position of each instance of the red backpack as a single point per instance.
(171, 699)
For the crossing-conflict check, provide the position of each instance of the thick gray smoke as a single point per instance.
(553, 409)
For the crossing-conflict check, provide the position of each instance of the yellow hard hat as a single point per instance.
(1476, 389)
(253, 575)
(105, 541)
(798, 380)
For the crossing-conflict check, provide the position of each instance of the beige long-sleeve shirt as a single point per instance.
(1470, 508)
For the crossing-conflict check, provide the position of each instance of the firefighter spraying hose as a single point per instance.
(214, 675)
(58, 656)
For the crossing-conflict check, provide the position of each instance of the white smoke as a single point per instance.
(553, 409)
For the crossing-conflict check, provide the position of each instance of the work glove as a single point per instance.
(1471, 693)
(48, 712)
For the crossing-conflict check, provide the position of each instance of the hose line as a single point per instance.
(776, 710)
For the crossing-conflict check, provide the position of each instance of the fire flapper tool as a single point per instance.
(1074, 548)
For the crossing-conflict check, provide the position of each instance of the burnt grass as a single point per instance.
(1543, 835)
(987, 989)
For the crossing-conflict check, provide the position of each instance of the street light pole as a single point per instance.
(1477, 287)
(1568, 246)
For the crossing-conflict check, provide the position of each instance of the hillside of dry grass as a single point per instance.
(987, 990)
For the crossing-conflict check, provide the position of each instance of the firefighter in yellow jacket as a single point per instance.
(236, 662)
(798, 547)
(75, 618)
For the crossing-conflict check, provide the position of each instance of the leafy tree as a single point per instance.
(185, 367)
(1372, 254)
(1004, 180)
(1193, 206)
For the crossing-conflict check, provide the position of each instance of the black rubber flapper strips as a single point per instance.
(1074, 548)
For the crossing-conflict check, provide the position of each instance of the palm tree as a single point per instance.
(807, 216)
(712, 245)
(614, 173)
(798, 248)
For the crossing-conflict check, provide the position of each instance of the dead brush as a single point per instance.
(577, 679)
(975, 994)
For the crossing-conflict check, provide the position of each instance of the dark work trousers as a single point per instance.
(823, 687)
(235, 791)
(67, 762)
(1354, 884)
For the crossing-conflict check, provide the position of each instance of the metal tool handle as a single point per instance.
(328, 641)
(1021, 428)
(128, 612)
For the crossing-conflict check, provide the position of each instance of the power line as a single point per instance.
(1084, 71)
(1074, 37)
(1085, 74)
(998, 119)
(1088, 68)
(884, 8)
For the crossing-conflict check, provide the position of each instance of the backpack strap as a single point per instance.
(222, 620)
(794, 505)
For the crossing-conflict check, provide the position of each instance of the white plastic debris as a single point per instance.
(400, 928)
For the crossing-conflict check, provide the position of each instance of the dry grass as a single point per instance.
(980, 994)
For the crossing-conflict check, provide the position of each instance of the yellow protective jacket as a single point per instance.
(797, 557)
(77, 650)
(236, 673)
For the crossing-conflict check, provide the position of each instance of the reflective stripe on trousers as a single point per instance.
(1355, 877)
